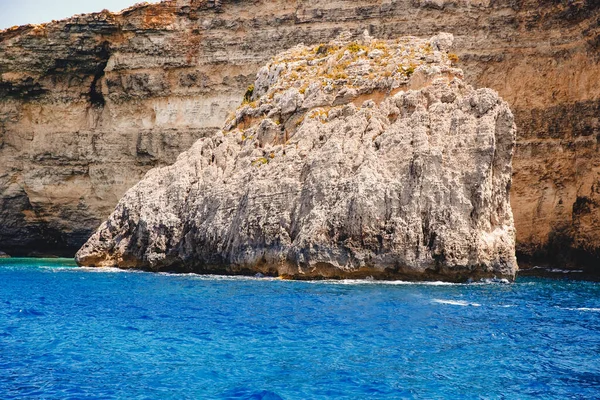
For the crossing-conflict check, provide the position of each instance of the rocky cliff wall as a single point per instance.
(88, 104)
(357, 159)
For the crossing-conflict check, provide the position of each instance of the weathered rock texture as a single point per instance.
(87, 105)
(349, 160)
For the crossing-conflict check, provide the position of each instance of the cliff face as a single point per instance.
(87, 105)
(350, 159)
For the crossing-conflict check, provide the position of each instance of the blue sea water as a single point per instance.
(72, 333)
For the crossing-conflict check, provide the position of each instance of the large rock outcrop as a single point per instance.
(89, 104)
(359, 159)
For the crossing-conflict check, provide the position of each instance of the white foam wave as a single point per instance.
(209, 277)
(375, 282)
(565, 271)
(56, 269)
(456, 303)
(110, 270)
(557, 270)
(592, 309)
(493, 281)
(204, 277)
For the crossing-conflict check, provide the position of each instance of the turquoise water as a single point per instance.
(70, 333)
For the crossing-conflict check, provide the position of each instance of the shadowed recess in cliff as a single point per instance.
(96, 96)
(26, 88)
(26, 233)
(569, 235)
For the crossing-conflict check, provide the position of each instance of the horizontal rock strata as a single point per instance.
(350, 159)
(89, 104)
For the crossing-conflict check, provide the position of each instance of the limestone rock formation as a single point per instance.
(90, 103)
(87, 106)
(348, 159)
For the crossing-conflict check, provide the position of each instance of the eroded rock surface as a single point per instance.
(351, 159)
(89, 104)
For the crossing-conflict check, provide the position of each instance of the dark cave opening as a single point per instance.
(96, 96)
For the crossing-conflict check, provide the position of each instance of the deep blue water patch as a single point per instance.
(67, 332)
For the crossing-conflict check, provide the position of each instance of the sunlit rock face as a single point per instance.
(359, 159)
(89, 104)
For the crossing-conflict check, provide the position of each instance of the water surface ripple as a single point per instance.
(71, 333)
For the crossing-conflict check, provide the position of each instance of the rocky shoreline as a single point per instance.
(89, 104)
